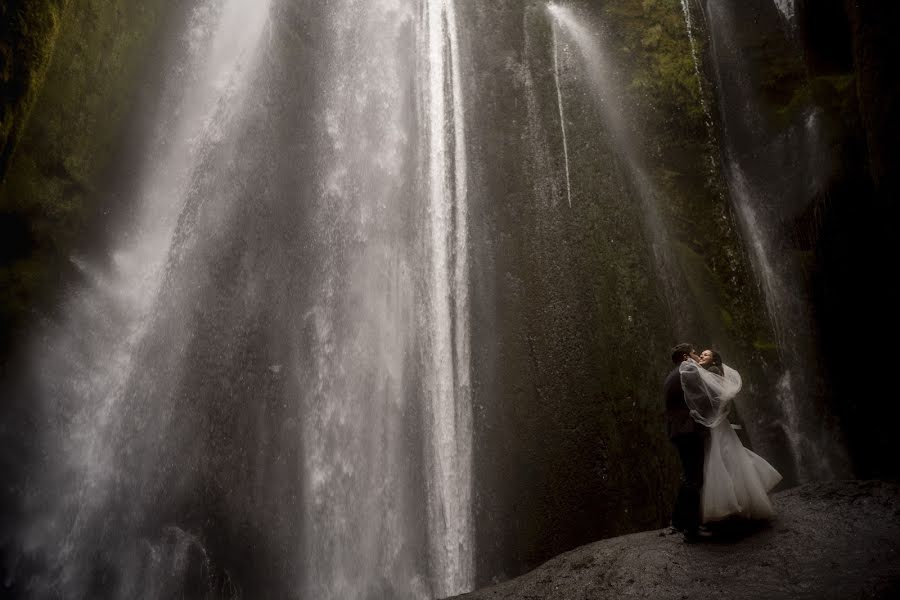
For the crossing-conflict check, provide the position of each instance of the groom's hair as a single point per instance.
(680, 351)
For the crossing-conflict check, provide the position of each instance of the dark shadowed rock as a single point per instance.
(830, 540)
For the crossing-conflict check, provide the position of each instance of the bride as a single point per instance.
(736, 481)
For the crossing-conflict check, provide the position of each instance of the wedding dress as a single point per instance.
(736, 481)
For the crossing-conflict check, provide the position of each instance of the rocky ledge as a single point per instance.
(835, 540)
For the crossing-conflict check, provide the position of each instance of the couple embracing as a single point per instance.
(721, 478)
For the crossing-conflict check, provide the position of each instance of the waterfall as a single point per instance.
(359, 507)
(368, 327)
(338, 267)
(272, 367)
(695, 55)
(599, 71)
(562, 115)
(787, 9)
(761, 192)
(85, 362)
(448, 392)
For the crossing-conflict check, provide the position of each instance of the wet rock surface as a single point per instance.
(829, 540)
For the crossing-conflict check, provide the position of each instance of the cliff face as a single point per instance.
(863, 226)
(872, 28)
(28, 32)
(847, 229)
(573, 306)
(573, 310)
(576, 306)
(829, 540)
(71, 73)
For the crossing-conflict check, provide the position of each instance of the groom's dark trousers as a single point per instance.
(689, 438)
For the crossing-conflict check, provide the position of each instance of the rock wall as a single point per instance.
(848, 229)
(573, 317)
(28, 32)
(74, 75)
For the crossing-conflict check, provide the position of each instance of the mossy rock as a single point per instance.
(73, 80)
(28, 34)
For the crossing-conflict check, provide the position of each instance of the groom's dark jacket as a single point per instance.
(678, 415)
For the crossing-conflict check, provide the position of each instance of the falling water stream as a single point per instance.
(562, 114)
(84, 365)
(598, 69)
(359, 538)
(787, 9)
(695, 55)
(760, 200)
(448, 388)
(323, 406)
(264, 383)
(787, 311)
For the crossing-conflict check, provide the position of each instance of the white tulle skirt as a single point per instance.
(736, 481)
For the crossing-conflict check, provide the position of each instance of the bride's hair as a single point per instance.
(680, 351)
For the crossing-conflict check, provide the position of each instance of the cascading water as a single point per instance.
(377, 351)
(83, 365)
(271, 383)
(448, 390)
(274, 370)
(695, 55)
(787, 9)
(599, 74)
(764, 194)
(562, 114)
(359, 536)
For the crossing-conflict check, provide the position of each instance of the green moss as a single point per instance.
(726, 317)
(81, 66)
(765, 346)
(665, 96)
(653, 35)
(27, 39)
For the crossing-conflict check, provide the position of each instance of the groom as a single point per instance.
(689, 438)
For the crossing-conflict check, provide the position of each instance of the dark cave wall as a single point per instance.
(572, 324)
(571, 327)
(73, 75)
(850, 226)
